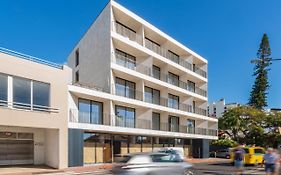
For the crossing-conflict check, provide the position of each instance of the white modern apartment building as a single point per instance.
(135, 89)
(33, 111)
(216, 109)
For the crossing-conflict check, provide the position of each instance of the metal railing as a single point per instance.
(138, 95)
(125, 62)
(165, 53)
(90, 86)
(30, 58)
(27, 106)
(127, 33)
(133, 36)
(77, 116)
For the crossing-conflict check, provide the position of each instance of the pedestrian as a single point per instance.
(270, 160)
(239, 159)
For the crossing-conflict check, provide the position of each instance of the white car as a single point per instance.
(152, 164)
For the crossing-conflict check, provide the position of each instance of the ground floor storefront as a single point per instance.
(87, 147)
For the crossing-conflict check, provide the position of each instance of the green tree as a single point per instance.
(258, 96)
(243, 124)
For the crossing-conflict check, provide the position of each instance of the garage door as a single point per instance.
(15, 152)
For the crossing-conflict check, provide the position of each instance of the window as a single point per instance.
(125, 88)
(173, 79)
(173, 124)
(3, 89)
(125, 116)
(156, 72)
(76, 76)
(190, 126)
(152, 45)
(152, 95)
(194, 106)
(77, 57)
(41, 95)
(155, 121)
(173, 101)
(191, 86)
(90, 111)
(174, 57)
(21, 93)
(259, 151)
(166, 158)
(125, 59)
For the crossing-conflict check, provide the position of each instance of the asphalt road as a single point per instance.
(199, 169)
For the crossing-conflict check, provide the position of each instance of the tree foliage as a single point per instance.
(258, 96)
(248, 125)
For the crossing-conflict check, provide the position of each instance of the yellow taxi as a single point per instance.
(252, 156)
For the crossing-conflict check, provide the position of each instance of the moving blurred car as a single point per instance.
(178, 151)
(152, 164)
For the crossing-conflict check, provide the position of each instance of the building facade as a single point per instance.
(135, 89)
(33, 111)
(127, 87)
(216, 109)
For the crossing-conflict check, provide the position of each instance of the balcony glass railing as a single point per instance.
(28, 107)
(125, 62)
(133, 36)
(84, 117)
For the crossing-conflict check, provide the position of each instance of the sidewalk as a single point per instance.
(206, 160)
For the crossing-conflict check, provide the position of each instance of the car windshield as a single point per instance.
(165, 158)
(259, 151)
(123, 159)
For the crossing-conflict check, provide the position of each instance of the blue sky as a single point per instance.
(226, 33)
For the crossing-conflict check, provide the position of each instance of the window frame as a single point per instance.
(125, 117)
(126, 87)
(174, 98)
(172, 76)
(90, 103)
(154, 67)
(40, 107)
(77, 57)
(4, 100)
(153, 92)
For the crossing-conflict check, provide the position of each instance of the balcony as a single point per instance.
(162, 101)
(127, 63)
(27, 107)
(84, 117)
(133, 36)
(77, 116)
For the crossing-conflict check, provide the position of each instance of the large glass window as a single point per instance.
(125, 116)
(173, 79)
(155, 121)
(191, 86)
(173, 56)
(125, 59)
(173, 101)
(152, 95)
(41, 95)
(156, 72)
(174, 123)
(3, 89)
(90, 111)
(190, 126)
(125, 88)
(21, 93)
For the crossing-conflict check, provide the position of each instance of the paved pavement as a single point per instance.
(201, 167)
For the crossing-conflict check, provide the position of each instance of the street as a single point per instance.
(222, 168)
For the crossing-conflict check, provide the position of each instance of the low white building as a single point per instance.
(216, 109)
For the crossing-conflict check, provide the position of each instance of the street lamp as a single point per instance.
(256, 60)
